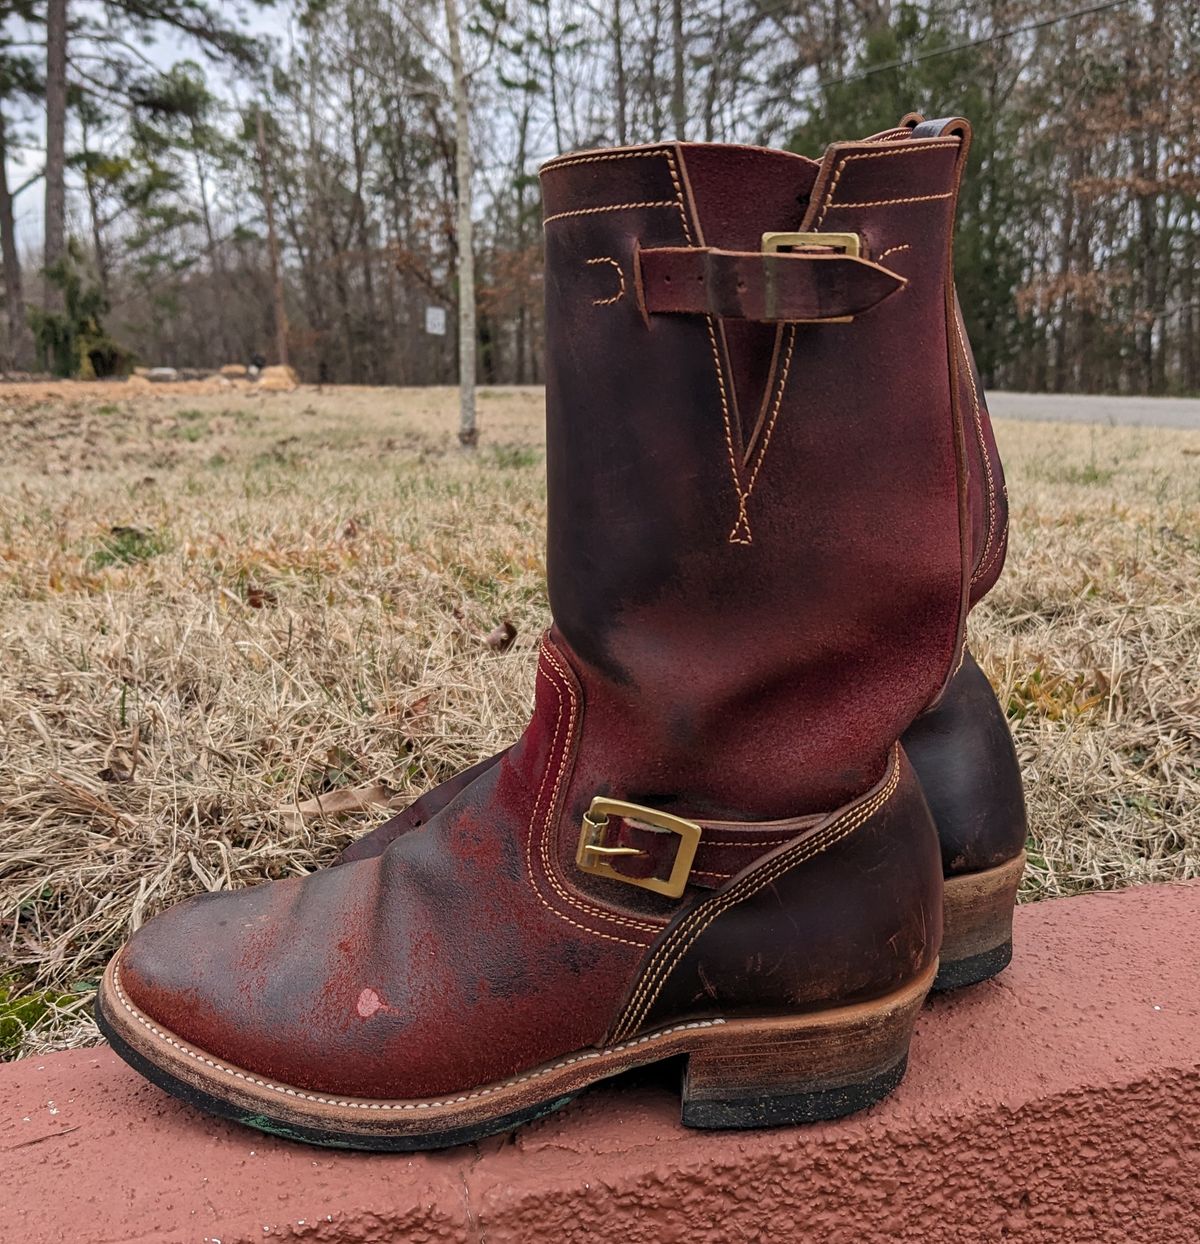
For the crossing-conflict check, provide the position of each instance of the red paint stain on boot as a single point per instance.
(369, 1002)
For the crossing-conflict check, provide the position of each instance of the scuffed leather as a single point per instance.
(758, 578)
(856, 921)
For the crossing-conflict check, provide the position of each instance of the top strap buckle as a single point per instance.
(848, 243)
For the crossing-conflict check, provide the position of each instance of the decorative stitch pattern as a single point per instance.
(685, 934)
(874, 155)
(607, 302)
(610, 207)
(914, 198)
(364, 1104)
(589, 909)
(568, 161)
(892, 250)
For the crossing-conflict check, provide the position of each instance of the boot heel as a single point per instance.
(776, 1072)
(977, 925)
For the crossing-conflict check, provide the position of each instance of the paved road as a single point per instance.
(1147, 412)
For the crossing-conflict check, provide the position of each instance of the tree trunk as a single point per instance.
(14, 300)
(281, 326)
(468, 433)
(622, 88)
(56, 142)
(678, 106)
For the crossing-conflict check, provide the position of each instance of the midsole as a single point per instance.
(365, 1116)
(979, 909)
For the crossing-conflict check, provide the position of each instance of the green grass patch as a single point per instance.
(21, 1009)
(125, 546)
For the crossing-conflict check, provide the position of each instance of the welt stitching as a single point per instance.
(537, 889)
(783, 379)
(984, 560)
(643, 999)
(609, 207)
(362, 1104)
(873, 155)
(607, 302)
(590, 909)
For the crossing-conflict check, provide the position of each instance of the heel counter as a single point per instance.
(963, 755)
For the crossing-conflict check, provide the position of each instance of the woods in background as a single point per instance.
(1079, 226)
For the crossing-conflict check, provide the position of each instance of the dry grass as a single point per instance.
(218, 605)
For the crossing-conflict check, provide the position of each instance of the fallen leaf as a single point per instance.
(340, 802)
(257, 597)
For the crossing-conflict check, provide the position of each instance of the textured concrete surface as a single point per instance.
(1147, 412)
(1059, 1103)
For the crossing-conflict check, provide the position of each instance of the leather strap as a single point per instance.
(725, 847)
(778, 286)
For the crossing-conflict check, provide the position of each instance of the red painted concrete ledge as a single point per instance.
(1060, 1103)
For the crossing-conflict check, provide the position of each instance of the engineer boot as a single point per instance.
(707, 842)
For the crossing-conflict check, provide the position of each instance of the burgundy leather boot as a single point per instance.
(707, 842)
(960, 748)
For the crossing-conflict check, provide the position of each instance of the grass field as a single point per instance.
(215, 606)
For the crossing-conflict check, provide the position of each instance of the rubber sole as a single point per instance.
(740, 1073)
(977, 925)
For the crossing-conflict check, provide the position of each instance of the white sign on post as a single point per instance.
(435, 321)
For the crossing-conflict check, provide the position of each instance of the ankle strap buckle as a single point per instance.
(594, 856)
(848, 243)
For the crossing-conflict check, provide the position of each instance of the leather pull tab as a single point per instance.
(763, 286)
(943, 127)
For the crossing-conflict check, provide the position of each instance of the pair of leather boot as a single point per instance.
(760, 765)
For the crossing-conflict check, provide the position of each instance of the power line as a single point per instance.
(906, 62)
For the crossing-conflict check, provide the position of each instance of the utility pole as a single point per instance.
(281, 325)
(468, 433)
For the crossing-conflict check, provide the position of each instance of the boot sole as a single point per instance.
(740, 1073)
(977, 924)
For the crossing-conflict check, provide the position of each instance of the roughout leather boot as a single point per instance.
(960, 748)
(707, 842)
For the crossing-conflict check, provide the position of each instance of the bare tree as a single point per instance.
(468, 432)
(56, 139)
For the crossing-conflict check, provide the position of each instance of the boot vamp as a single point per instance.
(431, 968)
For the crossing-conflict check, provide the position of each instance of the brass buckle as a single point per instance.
(850, 243)
(592, 857)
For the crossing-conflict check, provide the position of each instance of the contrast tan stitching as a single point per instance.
(657, 975)
(984, 560)
(610, 207)
(607, 302)
(873, 155)
(892, 250)
(568, 161)
(362, 1104)
(915, 198)
(741, 529)
(589, 909)
(783, 379)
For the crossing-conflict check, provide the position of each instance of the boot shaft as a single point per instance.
(759, 546)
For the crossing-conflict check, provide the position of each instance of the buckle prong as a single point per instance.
(592, 856)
